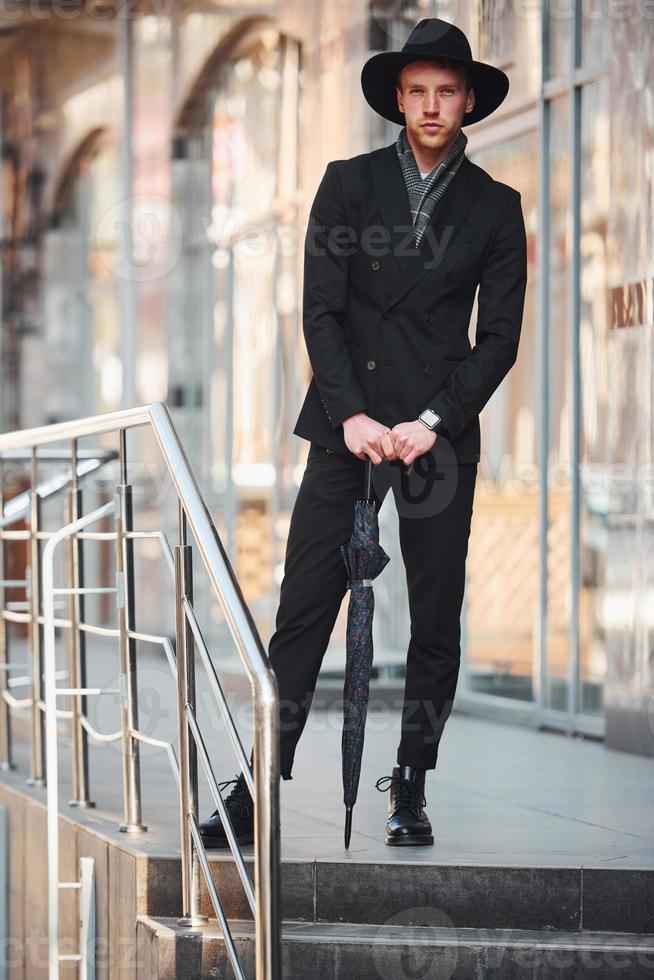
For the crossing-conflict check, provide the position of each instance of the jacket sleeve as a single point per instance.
(324, 301)
(500, 307)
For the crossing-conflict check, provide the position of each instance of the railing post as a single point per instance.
(76, 642)
(188, 763)
(5, 717)
(267, 842)
(37, 775)
(126, 622)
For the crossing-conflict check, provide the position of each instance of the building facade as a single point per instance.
(158, 168)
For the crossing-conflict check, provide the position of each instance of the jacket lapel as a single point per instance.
(409, 263)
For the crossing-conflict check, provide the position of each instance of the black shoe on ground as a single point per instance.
(407, 822)
(240, 806)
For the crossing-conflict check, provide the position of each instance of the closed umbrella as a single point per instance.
(364, 559)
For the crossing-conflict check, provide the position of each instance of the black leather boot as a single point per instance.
(407, 822)
(240, 806)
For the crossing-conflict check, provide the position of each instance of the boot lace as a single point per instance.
(239, 799)
(407, 793)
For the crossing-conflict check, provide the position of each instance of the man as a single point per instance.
(398, 241)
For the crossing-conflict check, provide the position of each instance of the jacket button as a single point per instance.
(429, 369)
(325, 407)
(450, 274)
(375, 265)
(429, 318)
(371, 365)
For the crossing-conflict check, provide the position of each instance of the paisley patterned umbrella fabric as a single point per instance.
(364, 560)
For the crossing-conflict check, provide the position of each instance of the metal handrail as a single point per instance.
(264, 785)
(19, 505)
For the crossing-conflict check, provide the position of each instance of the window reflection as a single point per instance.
(594, 381)
(560, 405)
(594, 33)
(255, 325)
(502, 591)
(560, 32)
(81, 294)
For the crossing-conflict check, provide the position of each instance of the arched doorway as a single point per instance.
(80, 291)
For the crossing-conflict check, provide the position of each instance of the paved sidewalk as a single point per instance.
(502, 794)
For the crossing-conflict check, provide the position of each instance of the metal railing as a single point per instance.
(264, 897)
(27, 506)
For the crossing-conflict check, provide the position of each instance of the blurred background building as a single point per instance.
(159, 161)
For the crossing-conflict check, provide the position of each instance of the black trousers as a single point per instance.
(434, 508)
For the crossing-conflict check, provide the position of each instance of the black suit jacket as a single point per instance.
(386, 325)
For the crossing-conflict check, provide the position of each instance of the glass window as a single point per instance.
(560, 402)
(103, 267)
(560, 32)
(497, 32)
(235, 328)
(254, 180)
(502, 590)
(594, 352)
(81, 290)
(594, 33)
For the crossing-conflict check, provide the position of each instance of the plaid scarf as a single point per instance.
(425, 194)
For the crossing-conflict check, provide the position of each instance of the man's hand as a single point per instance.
(365, 437)
(412, 439)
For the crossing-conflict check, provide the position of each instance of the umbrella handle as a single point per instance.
(367, 480)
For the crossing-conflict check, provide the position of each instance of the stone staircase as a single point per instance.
(543, 868)
(345, 920)
(394, 952)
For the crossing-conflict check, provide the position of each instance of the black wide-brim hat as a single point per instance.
(432, 38)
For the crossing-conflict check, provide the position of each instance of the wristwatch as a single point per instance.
(432, 420)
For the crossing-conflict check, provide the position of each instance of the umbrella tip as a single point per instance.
(348, 824)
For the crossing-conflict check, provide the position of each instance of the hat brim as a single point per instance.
(379, 74)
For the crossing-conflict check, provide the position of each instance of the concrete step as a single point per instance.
(140, 876)
(395, 951)
(472, 896)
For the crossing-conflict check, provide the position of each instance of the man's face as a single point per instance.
(433, 101)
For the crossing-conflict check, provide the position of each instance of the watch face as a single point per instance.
(430, 417)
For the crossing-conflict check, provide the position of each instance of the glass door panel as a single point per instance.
(502, 588)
